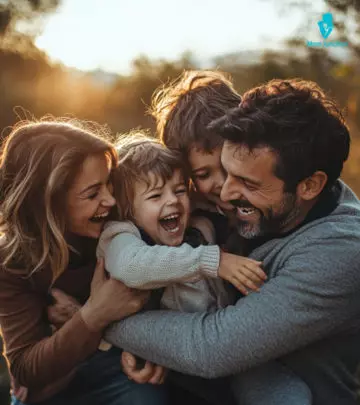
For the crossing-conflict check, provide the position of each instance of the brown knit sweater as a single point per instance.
(42, 363)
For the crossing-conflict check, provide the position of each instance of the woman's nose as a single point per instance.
(108, 200)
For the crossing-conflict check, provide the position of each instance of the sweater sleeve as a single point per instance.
(129, 259)
(35, 358)
(311, 297)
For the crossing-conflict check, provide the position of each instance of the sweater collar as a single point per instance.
(82, 249)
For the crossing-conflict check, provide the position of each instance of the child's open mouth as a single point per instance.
(171, 222)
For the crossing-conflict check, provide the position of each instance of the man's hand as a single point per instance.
(150, 373)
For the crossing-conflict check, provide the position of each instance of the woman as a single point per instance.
(55, 196)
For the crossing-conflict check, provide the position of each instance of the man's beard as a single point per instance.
(273, 223)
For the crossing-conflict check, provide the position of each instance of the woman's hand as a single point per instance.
(110, 300)
(63, 309)
(244, 273)
(150, 373)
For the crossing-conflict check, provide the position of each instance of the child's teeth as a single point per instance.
(171, 216)
(246, 210)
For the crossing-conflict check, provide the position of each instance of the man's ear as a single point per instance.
(312, 186)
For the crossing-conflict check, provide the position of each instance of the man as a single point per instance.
(285, 146)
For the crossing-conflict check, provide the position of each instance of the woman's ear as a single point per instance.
(312, 186)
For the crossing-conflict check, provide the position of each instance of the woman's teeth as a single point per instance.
(100, 217)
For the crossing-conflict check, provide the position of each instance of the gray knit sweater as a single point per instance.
(189, 274)
(313, 293)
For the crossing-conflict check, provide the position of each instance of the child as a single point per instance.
(182, 111)
(146, 250)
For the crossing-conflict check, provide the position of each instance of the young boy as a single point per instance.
(182, 111)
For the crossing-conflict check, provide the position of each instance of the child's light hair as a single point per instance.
(184, 108)
(139, 156)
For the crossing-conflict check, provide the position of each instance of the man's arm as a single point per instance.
(305, 302)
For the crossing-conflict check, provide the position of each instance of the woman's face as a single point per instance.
(208, 175)
(89, 199)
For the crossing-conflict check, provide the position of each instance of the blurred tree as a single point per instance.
(27, 12)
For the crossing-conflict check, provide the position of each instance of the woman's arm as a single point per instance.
(37, 358)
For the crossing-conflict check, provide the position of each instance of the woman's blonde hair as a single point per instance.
(38, 163)
(139, 155)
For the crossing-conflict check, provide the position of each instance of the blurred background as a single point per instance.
(101, 60)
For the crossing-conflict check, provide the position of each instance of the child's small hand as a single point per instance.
(151, 373)
(242, 272)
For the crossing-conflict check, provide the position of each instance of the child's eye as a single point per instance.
(154, 196)
(202, 176)
(181, 191)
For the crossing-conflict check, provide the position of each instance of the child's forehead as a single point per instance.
(153, 180)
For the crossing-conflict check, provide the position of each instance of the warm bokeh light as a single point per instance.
(90, 34)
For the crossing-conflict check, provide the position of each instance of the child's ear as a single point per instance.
(312, 186)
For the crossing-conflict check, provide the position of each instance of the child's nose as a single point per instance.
(172, 198)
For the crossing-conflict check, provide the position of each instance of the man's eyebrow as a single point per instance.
(249, 180)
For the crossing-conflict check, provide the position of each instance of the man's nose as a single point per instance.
(229, 191)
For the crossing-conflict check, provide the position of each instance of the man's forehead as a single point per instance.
(260, 159)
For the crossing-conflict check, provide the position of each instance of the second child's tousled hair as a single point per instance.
(184, 108)
(139, 156)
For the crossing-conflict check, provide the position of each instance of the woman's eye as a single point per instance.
(93, 196)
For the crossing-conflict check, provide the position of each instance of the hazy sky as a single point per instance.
(108, 34)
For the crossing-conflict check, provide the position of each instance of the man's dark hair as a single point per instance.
(298, 121)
